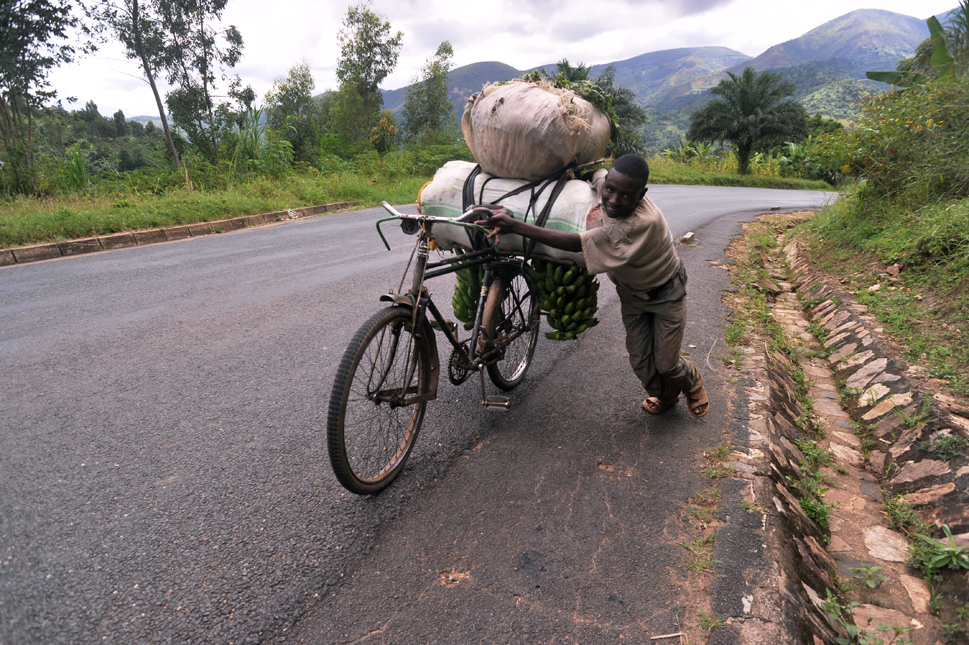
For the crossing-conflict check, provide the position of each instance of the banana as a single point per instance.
(466, 292)
(568, 296)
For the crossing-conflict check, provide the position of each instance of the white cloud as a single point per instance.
(521, 33)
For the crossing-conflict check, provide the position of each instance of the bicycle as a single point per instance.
(391, 368)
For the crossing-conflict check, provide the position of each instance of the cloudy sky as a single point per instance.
(521, 33)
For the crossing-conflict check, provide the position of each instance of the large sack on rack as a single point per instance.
(443, 197)
(529, 130)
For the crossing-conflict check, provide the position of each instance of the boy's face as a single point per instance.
(620, 194)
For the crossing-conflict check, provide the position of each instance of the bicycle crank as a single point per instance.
(458, 369)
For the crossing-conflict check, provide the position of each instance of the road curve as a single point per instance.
(162, 470)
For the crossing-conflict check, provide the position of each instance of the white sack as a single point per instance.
(443, 198)
(529, 130)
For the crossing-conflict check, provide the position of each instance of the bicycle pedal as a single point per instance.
(451, 325)
(497, 403)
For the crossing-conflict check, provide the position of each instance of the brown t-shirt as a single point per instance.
(636, 251)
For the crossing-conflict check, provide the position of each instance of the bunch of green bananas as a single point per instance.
(569, 297)
(466, 293)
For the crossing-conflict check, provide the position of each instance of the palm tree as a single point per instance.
(750, 109)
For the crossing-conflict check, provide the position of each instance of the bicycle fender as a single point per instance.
(407, 300)
(398, 299)
(433, 359)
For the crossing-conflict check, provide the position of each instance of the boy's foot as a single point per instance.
(698, 402)
(655, 406)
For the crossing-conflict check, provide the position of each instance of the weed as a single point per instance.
(720, 452)
(709, 622)
(700, 558)
(945, 446)
(918, 417)
(702, 514)
(812, 501)
(872, 576)
(709, 499)
(750, 506)
(935, 600)
(717, 472)
(735, 332)
(846, 395)
(814, 456)
(841, 614)
(943, 554)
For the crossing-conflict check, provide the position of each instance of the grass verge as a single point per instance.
(25, 221)
(662, 171)
(925, 307)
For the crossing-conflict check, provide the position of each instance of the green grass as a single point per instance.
(663, 171)
(709, 622)
(25, 221)
(927, 308)
(700, 556)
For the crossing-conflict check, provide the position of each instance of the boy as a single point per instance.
(631, 243)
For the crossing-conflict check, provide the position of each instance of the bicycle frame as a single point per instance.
(419, 300)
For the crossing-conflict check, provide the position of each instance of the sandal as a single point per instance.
(698, 403)
(655, 406)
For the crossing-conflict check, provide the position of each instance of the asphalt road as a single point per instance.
(163, 475)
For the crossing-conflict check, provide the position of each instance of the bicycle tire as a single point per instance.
(371, 429)
(510, 321)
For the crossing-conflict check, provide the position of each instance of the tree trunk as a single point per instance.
(743, 158)
(150, 75)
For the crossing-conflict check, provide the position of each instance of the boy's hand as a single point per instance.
(501, 223)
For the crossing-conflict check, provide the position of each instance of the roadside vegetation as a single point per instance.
(211, 155)
(899, 238)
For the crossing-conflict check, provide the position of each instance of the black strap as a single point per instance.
(558, 178)
(562, 179)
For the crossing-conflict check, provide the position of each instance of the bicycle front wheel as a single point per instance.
(510, 324)
(376, 406)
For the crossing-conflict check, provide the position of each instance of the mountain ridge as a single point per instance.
(827, 65)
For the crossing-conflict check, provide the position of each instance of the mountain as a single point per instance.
(826, 64)
(647, 75)
(865, 39)
(462, 83)
(652, 74)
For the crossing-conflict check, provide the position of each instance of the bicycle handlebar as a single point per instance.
(463, 220)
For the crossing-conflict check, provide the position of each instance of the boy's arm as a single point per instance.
(561, 240)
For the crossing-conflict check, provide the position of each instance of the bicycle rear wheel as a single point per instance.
(510, 323)
(375, 409)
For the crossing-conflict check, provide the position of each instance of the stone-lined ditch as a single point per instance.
(807, 532)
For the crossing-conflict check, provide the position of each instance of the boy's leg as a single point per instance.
(675, 372)
(653, 338)
(639, 344)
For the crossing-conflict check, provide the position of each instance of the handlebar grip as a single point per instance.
(390, 209)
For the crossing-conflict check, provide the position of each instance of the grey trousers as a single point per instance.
(654, 333)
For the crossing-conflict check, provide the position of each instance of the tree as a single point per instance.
(350, 115)
(292, 110)
(957, 37)
(368, 53)
(428, 116)
(139, 27)
(749, 109)
(630, 115)
(566, 71)
(195, 50)
(120, 124)
(32, 35)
